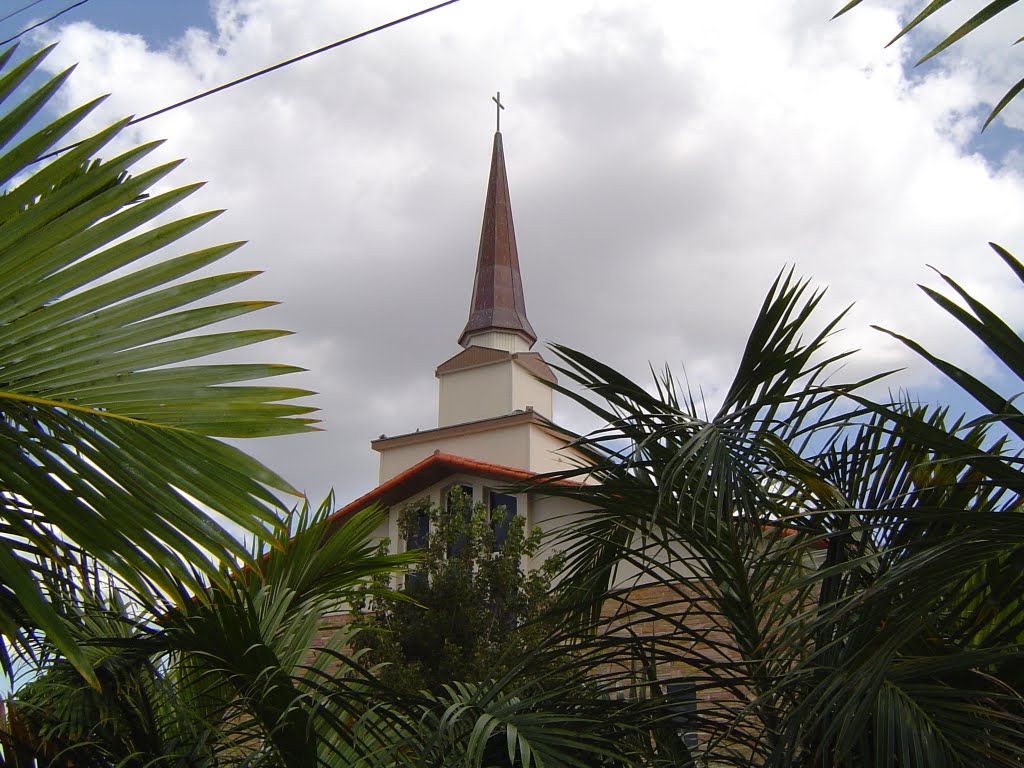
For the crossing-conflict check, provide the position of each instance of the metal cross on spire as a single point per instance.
(498, 108)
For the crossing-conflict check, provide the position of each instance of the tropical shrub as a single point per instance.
(467, 609)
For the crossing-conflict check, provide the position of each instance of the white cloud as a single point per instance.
(987, 57)
(665, 162)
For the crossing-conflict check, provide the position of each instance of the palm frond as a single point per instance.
(981, 17)
(809, 560)
(107, 433)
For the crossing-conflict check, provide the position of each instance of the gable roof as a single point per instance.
(421, 476)
(440, 465)
(477, 357)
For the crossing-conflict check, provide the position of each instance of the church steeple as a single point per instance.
(497, 311)
(494, 397)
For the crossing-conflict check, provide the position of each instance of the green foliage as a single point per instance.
(108, 431)
(837, 579)
(476, 665)
(235, 675)
(833, 575)
(468, 610)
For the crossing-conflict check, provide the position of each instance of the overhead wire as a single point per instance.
(12, 14)
(266, 70)
(41, 23)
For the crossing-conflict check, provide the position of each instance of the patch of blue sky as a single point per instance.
(1000, 144)
(158, 21)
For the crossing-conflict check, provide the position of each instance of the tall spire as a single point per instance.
(497, 311)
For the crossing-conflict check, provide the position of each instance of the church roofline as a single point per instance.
(515, 419)
(426, 473)
(479, 357)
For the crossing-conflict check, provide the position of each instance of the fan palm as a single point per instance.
(108, 432)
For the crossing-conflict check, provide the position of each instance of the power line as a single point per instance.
(23, 8)
(41, 23)
(267, 70)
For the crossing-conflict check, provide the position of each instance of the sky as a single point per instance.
(666, 160)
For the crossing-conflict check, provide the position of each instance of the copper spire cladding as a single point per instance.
(497, 303)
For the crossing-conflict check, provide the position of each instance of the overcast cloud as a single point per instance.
(665, 159)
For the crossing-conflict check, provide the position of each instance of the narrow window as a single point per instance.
(503, 508)
(421, 529)
(459, 499)
(417, 536)
(682, 698)
(458, 495)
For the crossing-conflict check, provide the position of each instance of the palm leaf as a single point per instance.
(814, 558)
(980, 17)
(107, 428)
(251, 667)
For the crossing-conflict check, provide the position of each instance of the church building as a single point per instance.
(495, 418)
(495, 424)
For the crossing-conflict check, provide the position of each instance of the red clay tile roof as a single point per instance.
(423, 475)
(440, 465)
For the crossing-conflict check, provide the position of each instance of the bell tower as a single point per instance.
(497, 373)
(494, 402)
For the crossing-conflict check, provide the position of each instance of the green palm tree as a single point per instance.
(834, 577)
(109, 432)
(252, 670)
(553, 705)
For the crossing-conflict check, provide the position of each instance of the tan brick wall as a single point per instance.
(678, 622)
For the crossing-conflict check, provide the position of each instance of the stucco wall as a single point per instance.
(548, 452)
(509, 447)
(475, 393)
(528, 392)
(486, 391)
